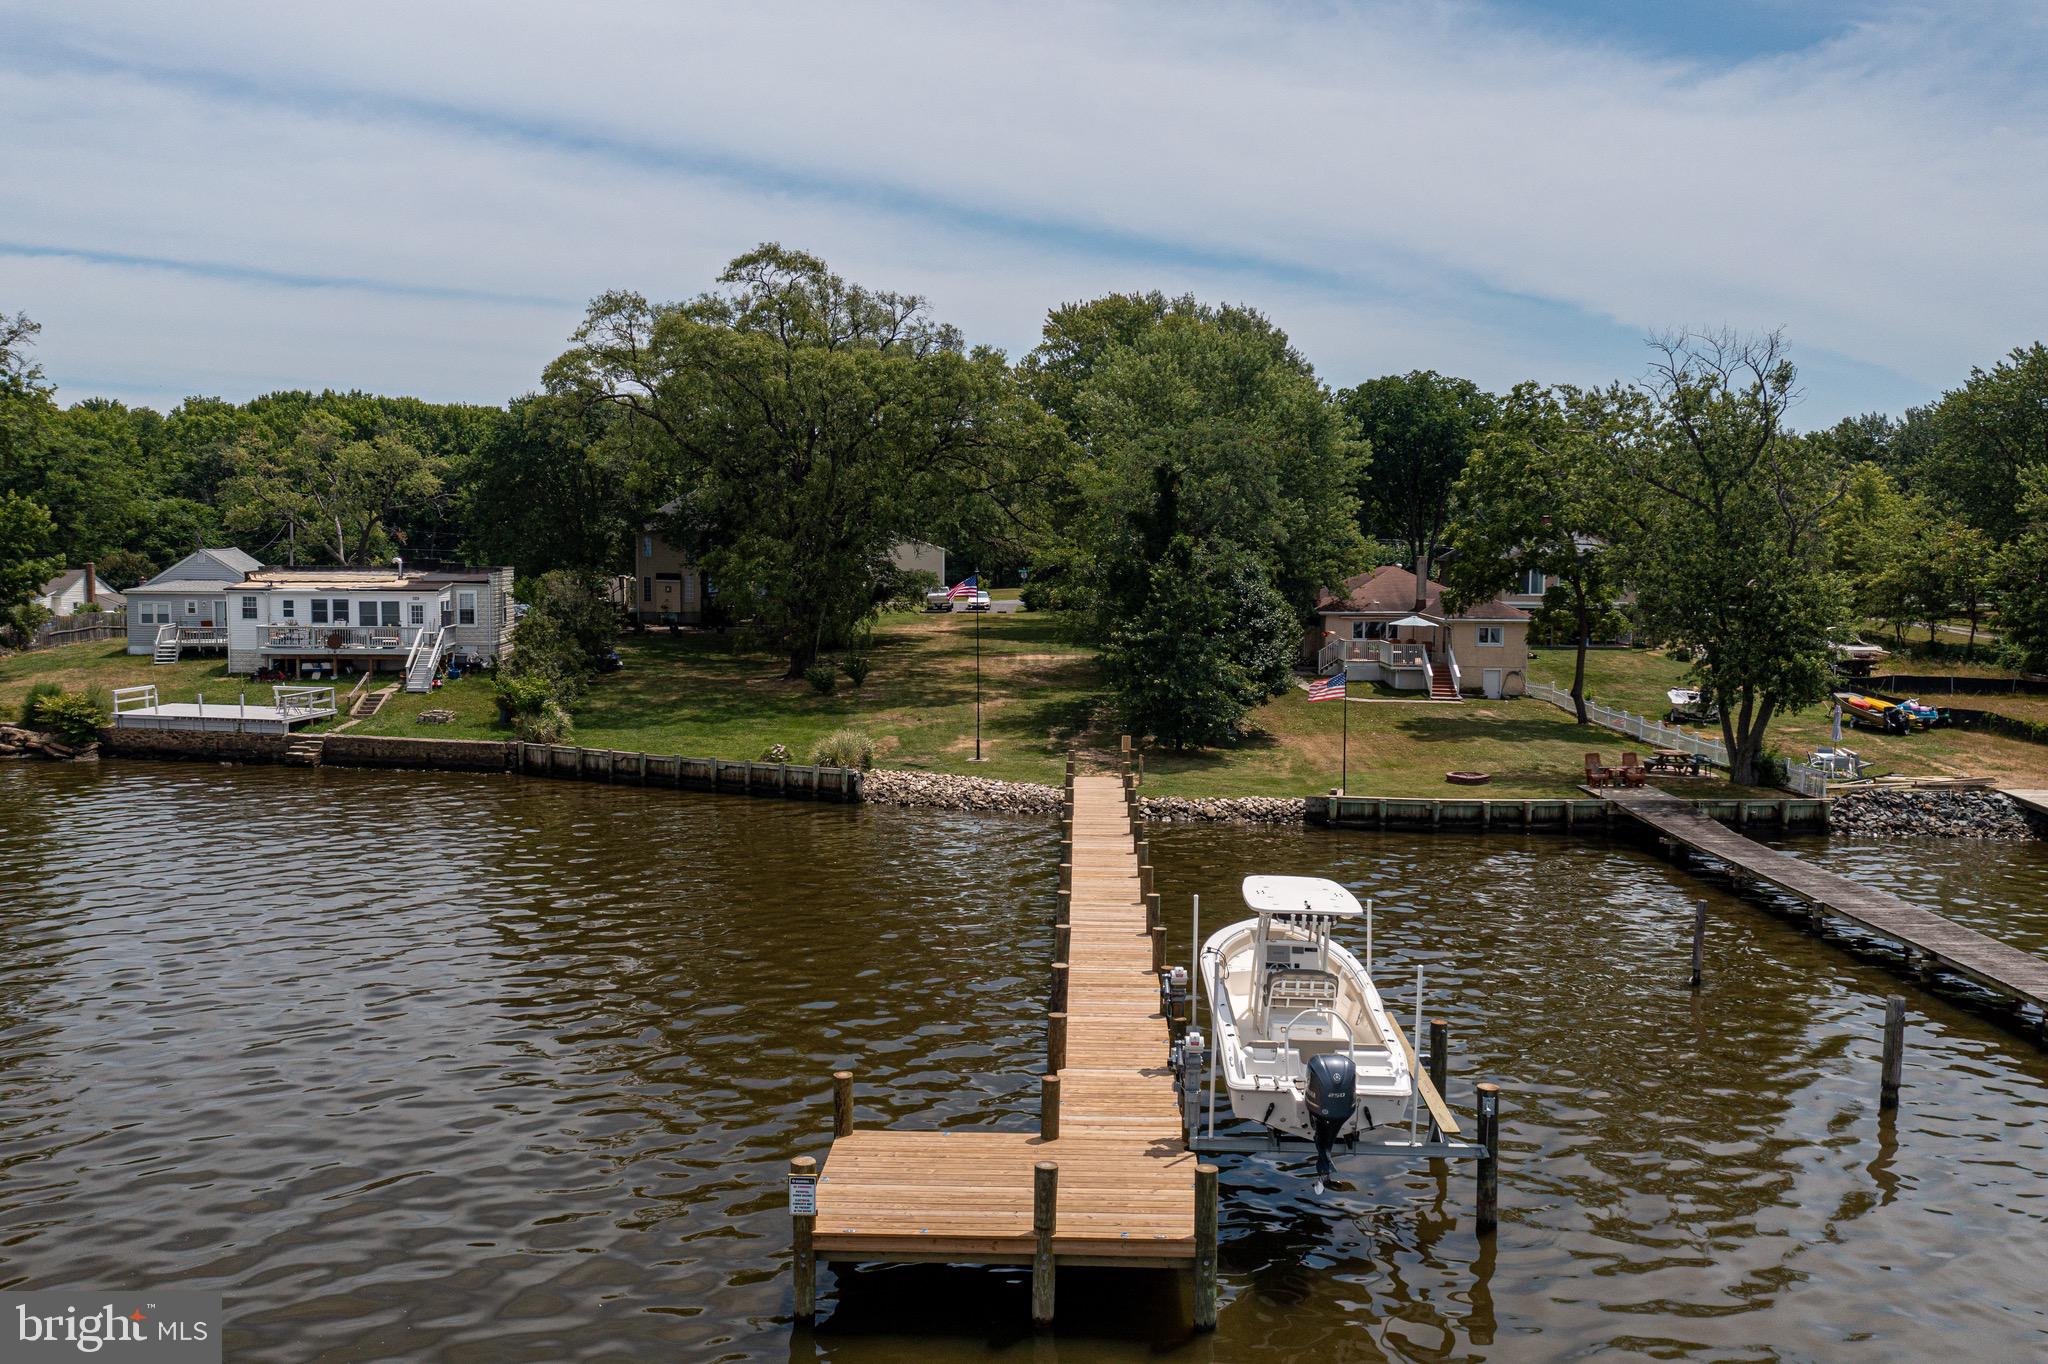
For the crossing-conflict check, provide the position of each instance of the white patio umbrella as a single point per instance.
(1412, 623)
(1838, 724)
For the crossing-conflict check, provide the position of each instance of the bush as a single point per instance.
(845, 748)
(31, 703)
(1040, 595)
(520, 696)
(75, 717)
(856, 667)
(548, 725)
(777, 753)
(822, 677)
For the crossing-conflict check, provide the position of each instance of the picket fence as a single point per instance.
(1805, 780)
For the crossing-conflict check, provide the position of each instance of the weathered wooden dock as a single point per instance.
(1928, 939)
(1107, 1180)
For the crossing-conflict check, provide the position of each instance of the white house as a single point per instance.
(314, 622)
(72, 590)
(192, 596)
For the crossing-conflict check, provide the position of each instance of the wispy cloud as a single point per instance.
(1401, 185)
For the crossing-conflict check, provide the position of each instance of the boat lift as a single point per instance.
(1432, 1131)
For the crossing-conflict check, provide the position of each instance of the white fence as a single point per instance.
(1807, 781)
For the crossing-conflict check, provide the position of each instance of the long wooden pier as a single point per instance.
(1107, 1179)
(1928, 939)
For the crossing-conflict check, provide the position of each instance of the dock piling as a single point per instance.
(1045, 1188)
(803, 1260)
(1205, 1247)
(1439, 1065)
(1062, 940)
(1067, 876)
(1488, 1203)
(1894, 1052)
(1056, 1042)
(1158, 948)
(1152, 912)
(1699, 943)
(1059, 987)
(842, 1103)
(1049, 1107)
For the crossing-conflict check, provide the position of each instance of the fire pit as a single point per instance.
(1468, 778)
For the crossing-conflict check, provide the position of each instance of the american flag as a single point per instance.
(1330, 688)
(966, 587)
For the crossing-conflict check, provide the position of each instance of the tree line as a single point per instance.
(1173, 473)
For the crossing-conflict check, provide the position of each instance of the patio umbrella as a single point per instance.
(1838, 723)
(1417, 622)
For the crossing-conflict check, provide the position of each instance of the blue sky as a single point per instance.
(419, 199)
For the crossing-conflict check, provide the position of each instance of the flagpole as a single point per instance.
(1344, 700)
(977, 672)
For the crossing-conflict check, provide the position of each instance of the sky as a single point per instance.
(421, 198)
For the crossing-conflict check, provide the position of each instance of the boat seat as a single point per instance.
(1298, 988)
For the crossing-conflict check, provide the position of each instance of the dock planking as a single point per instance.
(1126, 1185)
(1990, 963)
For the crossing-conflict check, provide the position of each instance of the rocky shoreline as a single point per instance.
(1930, 814)
(939, 791)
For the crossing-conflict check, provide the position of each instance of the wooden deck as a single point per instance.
(2036, 801)
(1964, 951)
(1126, 1183)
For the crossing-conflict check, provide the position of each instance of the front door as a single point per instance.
(1489, 681)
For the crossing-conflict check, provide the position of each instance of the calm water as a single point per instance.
(469, 1068)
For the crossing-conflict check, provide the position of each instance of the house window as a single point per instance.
(248, 608)
(388, 613)
(319, 605)
(419, 613)
(366, 612)
(1532, 582)
(290, 609)
(647, 546)
(1491, 635)
(1358, 629)
(341, 611)
(191, 608)
(646, 591)
(465, 608)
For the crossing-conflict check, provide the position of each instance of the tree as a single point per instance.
(810, 424)
(559, 485)
(336, 494)
(1421, 428)
(26, 415)
(1539, 493)
(1869, 534)
(124, 568)
(1986, 434)
(1212, 502)
(25, 533)
(2021, 573)
(1725, 539)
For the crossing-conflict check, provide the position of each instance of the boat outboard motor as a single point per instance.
(1332, 1098)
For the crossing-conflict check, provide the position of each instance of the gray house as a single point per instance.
(192, 595)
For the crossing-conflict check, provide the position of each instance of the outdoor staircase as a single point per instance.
(370, 703)
(1442, 686)
(168, 646)
(304, 751)
(424, 661)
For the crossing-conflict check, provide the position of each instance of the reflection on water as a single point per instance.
(471, 1068)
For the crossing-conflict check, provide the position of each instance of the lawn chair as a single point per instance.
(1632, 773)
(1597, 772)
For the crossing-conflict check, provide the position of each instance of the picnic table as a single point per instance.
(1674, 762)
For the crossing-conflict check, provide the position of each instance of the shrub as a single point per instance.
(822, 677)
(31, 703)
(548, 725)
(75, 717)
(777, 753)
(517, 695)
(844, 748)
(856, 667)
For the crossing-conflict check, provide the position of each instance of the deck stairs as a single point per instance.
(370, 703)
(1443, 679)
(168, 647)
(304, 751)
(425, 660)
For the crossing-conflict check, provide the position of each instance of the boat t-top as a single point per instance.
(1304, 1042)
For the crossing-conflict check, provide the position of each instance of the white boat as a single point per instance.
(1304, 1043)
(1687, 703)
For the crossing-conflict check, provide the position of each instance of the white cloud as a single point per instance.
(1400, 185)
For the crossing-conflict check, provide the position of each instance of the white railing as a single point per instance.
(1636, 726)
(1428, 676)
(1457, 680)
(202, 634)
(1807, 781)
(421, 663)
(134, 698)
(336, 638)
(298, 702)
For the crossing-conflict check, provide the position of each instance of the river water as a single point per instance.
(469, 1068)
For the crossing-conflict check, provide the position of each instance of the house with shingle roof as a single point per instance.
(1390, 627)
(74, 589)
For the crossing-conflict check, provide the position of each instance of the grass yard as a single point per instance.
(1636, 680)
(107, 664)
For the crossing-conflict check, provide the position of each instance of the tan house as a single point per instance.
(1383, 629)
(669, 589)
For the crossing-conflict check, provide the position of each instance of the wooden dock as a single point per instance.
(2033, 801)
(1107, 1180)
(1928, 939)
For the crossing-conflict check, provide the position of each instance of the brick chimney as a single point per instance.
(1422, 581)
(92, 584)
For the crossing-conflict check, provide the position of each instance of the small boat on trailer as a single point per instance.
(1304, 1042)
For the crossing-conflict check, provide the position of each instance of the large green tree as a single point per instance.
(1421, 428)
(1725, 537)
(560, 484)
(1987, 433)
(330, 498)
(1212, 502)
(1540, 492)
(2022, 574)
(809, 423)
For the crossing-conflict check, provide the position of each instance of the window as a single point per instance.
(646, 546)
(465, 608)
(1491, 636)
(419, 613)
(248, 608)
(319, 605)
(290, 609)
(340, 605)
(388, 613)
(1358, 629)
(191, 608)
(366, 612)
(646, 591)
(1532, 582)
(146, 613)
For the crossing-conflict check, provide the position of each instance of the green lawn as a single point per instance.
(1636, 680)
